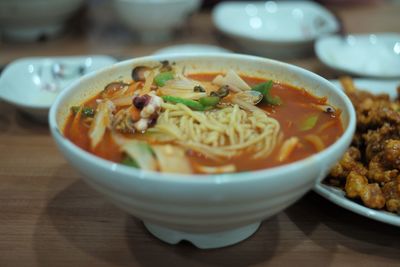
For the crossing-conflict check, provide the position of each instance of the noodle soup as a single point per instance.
(169, 121)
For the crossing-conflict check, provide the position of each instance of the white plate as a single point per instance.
(276, 29)
(336, 195)
(373, 55)
(191, 49)
(32, 84)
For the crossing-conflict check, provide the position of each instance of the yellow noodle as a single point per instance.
(220, 133)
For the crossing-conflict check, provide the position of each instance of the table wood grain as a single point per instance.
(50, 217)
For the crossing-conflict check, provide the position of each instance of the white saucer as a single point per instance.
(374, 55)
(32, 84)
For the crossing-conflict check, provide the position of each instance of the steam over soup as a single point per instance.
(167, 121)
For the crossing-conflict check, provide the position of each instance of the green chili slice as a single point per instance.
(209, 101)
(163, 77)
(308, 123)
(187, 102)
(265, 88)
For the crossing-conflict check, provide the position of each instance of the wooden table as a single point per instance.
(49, 217)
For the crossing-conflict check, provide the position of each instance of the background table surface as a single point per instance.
(50, 217)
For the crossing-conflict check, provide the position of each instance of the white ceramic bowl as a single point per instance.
(281, 29)
(154, 20)
(214, 210)
(29, 20)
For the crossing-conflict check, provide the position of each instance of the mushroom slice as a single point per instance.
(138, 73)
(114, 89)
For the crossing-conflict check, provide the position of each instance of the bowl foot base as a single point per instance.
(203, 240)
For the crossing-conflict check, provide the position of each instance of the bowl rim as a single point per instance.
(237, 177)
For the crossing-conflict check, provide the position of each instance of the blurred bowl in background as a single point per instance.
(154, 20)
(191, 49)
(373, 55)
(31, 20)
(276, 29)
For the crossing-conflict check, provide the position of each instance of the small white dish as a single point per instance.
(373, 55)
(32, 84)
(336, 195)
(279, 29)
(191, 49)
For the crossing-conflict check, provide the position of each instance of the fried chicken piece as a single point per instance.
(355, 183)
(391, 191)
(349, 162)
(370, 194)
(372, 114)
(377, 171)
(375, 139)
(391, 153)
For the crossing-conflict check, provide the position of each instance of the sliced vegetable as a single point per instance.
(232, 79)
(265, 88)
(122, 101)
(128, 161)
(101, 121)
(172, 159)
(209, 101)
(287, 148)
(308, 123)
(163, 77)
(148, 83)
(187, 102)
(139, 151)
(181, 82)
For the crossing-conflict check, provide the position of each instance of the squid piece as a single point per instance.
(101, 121)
